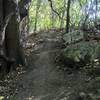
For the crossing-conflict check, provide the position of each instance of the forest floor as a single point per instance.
(43, 79)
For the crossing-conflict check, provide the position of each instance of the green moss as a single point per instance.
(83, 51)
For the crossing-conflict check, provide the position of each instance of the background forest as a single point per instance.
(49, 49)
(46, 14)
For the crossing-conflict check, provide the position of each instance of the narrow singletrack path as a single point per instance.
(43, 81)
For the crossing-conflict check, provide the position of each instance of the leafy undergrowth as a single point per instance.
(8, 86)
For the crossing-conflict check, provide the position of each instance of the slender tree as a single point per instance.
(96, 3)
(68, 16)
(63, 13)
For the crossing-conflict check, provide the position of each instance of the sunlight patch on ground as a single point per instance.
(1, 98)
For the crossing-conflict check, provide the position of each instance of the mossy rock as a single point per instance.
(82, 53)
(71, 37)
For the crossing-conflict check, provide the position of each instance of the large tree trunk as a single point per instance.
(1, 13)
(3, 64)
(10, 48)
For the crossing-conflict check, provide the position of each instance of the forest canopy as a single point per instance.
(44, 16)
(49, 49)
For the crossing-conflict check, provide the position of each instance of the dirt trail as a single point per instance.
(44, 81)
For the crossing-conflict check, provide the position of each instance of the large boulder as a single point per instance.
(72, 37)
(80, 54)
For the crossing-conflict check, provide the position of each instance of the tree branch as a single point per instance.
(51, 5)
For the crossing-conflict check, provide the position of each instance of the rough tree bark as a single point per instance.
(10, 48)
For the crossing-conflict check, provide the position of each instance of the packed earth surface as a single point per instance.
(44, 79)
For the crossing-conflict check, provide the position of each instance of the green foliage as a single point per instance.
(1, 98)
(72, 37)
(46, 18)
(81, 51)
(87, 52)
(75, 13)
(44, 15)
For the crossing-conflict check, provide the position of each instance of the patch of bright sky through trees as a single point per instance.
(91, 9)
